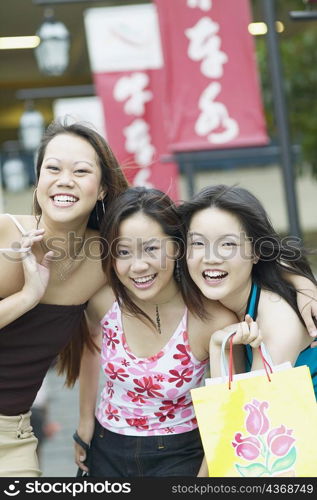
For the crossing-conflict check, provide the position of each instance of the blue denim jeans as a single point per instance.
(116, 455)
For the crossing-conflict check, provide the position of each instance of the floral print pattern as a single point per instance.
(147, 396)
(264, 445)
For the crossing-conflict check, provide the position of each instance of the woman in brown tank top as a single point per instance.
(49, 268)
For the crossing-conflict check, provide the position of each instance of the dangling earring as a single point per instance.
(34, 199)
(97, 216)
(177, 271)
(35, 203)
(37, 216)
(103, 207)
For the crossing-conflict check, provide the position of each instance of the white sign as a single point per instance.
(125, 38)
(87, 110)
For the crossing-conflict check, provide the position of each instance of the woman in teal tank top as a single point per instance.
(234, 253)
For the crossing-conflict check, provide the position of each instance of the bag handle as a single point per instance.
(228, 371)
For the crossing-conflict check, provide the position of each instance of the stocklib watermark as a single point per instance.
(16, 488)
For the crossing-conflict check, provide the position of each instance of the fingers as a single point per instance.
(255, 338)
(309, 316)
(248, 333)
(248, 319)
(47, 259)
(30, 238)
(80, 457)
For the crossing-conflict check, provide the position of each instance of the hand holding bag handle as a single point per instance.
(228, 371)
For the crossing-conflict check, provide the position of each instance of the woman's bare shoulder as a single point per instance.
(26, 221)
(220, 315)
(283, 333)
(9, 229)
(271, 302)
(101, 302)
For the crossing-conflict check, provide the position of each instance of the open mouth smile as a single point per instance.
(144, 281)
(64, 200)
(214, 276)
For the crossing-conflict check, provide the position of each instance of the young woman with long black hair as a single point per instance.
(50, 266)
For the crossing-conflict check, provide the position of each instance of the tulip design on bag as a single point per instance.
(271, 451)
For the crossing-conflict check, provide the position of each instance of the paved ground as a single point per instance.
(57, 458)
(57, 452)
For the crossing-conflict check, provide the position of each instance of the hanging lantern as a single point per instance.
(14, 173)
(52, 54)
(31, 127)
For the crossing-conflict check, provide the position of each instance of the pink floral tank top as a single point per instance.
(147, 396)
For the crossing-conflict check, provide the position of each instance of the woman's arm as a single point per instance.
(36, 276)
(203, 471)
(98, 305)
(88, 390)
(283, 333)
(306, 300)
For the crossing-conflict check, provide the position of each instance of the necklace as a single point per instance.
(63, 264)
(157, 318)
(157, 312)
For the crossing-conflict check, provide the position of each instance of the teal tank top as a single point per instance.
(307, 357)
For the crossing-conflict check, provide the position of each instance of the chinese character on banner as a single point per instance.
(213, 98)
(127, 63)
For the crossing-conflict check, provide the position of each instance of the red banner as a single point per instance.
(126, 59)
(212, 90)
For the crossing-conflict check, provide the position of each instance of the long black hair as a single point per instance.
(114, 182)
(275, 254)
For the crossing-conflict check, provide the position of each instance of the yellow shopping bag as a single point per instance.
(264, 425)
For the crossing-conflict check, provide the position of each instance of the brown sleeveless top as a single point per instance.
(28, 346)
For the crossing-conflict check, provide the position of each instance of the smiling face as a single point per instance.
(70, 177)
(145, 259)
(219, 257)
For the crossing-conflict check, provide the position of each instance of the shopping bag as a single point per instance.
(258, 424)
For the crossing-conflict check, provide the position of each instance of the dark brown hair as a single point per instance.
(114, 182)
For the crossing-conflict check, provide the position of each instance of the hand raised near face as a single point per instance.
(36, 274)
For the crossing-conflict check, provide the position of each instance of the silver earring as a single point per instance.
(177, 271)
(34, 199)
(103, 207)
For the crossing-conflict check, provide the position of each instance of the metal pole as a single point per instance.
(189, 173)
(281, 117)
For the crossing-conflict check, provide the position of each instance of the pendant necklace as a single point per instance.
(63, 266)
(157, 318)
(157, 312)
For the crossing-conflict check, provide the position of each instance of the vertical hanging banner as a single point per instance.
(127, 63)
(212, 93)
